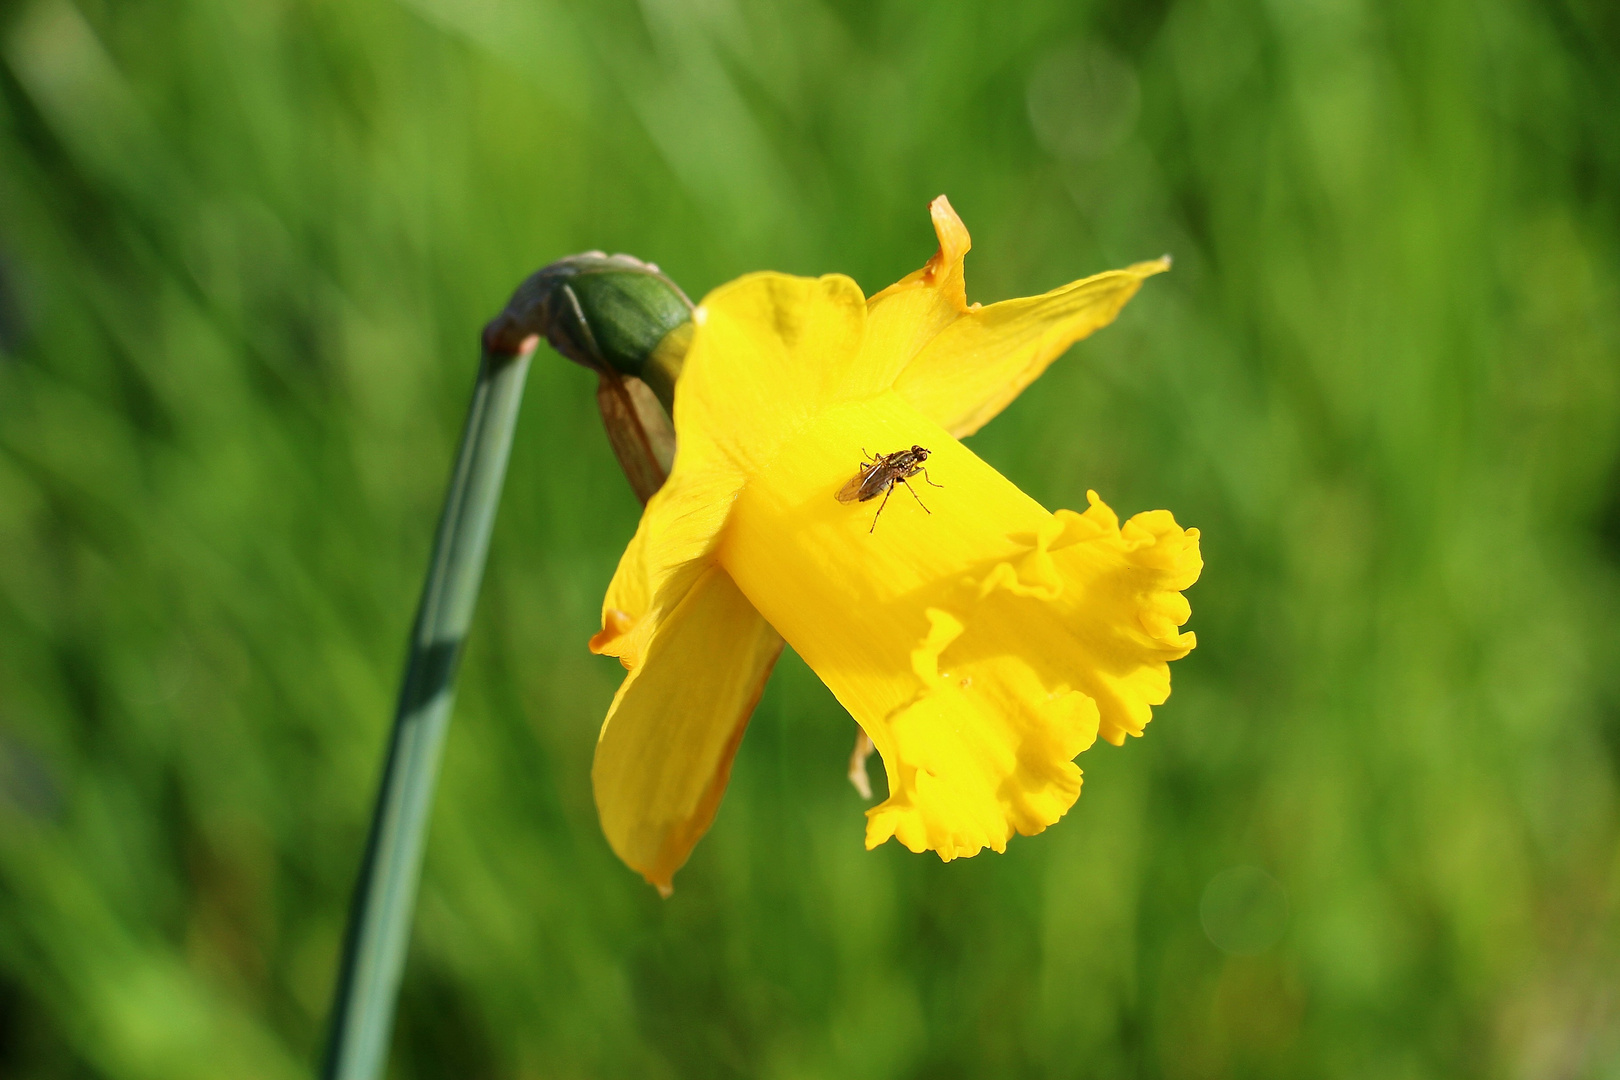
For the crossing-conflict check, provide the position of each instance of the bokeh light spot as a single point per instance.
(1244, 910)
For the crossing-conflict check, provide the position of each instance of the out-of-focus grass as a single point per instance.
(245, 249)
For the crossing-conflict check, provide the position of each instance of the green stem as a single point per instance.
(380, 918)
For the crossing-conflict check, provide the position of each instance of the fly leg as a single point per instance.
(882, 504)
(928, 478)
(914, 494)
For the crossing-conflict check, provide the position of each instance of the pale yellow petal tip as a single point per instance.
(1151, 267)
(666, 889)
(954, 241)
(943, 270)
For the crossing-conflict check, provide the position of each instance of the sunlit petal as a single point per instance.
(665, 752)
(910, 313)
(977, 364)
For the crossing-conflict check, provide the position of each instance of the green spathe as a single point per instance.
(606, 312)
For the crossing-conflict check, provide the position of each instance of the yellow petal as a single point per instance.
(770, 352)
(665, 752)
(908, 314)
(980, 641)
(974, 366)
(678, 531)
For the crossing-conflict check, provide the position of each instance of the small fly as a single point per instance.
(880, 472)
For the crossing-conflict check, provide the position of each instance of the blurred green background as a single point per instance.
(245, 252)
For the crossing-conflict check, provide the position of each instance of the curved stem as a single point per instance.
(384, 897)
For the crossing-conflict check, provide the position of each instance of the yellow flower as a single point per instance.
(980, 641)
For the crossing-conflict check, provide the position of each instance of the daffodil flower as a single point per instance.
(981, 642)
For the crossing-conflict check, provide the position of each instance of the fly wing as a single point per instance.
(852, 491)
